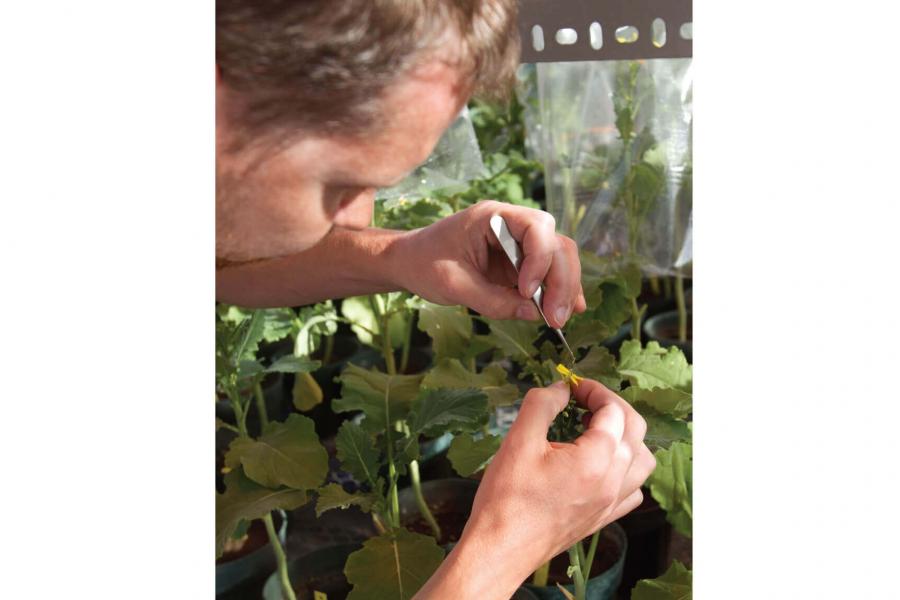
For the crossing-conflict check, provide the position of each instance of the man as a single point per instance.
(319, 103)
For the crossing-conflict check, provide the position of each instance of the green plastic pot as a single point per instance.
(601, 587)
(323, 569)
(262, 560)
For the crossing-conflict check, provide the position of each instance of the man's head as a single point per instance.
(320, 102)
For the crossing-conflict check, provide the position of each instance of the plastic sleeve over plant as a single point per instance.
(615, 141)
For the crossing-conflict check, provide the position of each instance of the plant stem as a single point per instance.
(654, 285)
(329, 350)
(540, 576)
(407, 341)
(579, 548)
(667, 287)
(682, 308)
(577, 578)
(586, 568)
(636, 315)
(261, 404)
(420, 499)
(287, 590)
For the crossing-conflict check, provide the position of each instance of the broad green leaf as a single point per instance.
(437, 411)
(615, 305)
(357, 453)
(515, 338)
(468, 455)
(584, 330)
(246, 500)
(287, 454)
(671, 484)
(359, 310)
(293, 364)
(383, 398)
(333, 496)
(306, 393)
(668, 401)
(450, 328)
(663, 430)
(392, 566)
(654, 367)
(675, 584)
(599, 364)
(450, 373)
(278, 323)
(248, 369)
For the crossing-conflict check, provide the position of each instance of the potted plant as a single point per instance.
(275, 470)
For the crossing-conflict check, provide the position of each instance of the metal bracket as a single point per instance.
(573, 30)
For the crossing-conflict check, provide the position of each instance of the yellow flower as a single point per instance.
(568, 375)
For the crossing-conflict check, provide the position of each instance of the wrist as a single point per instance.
(480, 567)
(396, 256)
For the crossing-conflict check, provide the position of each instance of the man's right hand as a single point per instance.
(538, 498)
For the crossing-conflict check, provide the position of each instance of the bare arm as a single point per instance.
(345, 263)
(456, 260)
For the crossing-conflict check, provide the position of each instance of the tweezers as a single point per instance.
(514, 253)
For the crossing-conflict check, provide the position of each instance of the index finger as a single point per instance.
(593, 395)
(535, 230)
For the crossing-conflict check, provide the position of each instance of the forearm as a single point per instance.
(478, 568)
(345, 263)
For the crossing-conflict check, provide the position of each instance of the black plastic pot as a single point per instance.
(450, 501)
(319, 571)
(601, 586)
(664, 329)
(649, 536)
(234, 573)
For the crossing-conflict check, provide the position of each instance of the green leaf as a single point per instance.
(383, 398)
(392, 566)
(600, 364)
(357, 453)
(675, 584)
(515, 338)
(615, 305)
(359, 310)
(440, 410)
(293, 364)
(584, 330)
(314, 323)
(306, 393)
(450, 328)
(668, 401)
(671, 484)
(468, 455)
(246, 500)
(654, 367)
(450, 373)
(278, 323)
(333, 496)
(663, 430)
(287, 454)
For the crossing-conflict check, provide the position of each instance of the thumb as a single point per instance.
(539, 408)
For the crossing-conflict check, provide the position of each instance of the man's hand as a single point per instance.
(538, 498)
(459, 261)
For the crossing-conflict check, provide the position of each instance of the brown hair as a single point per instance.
(322, 65)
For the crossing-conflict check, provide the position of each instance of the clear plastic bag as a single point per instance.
(456, 159)
(615, 141)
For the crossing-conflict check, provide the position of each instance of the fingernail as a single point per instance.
(532, 288)
(561, 314)
(523, 312)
